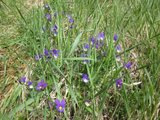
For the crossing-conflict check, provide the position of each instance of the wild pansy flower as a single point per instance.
(128, 65)
(85, 78)
(60, 105)
(22, 80)
(41, 85)
(46, 6)
(54, 30)
(86, 47)
(92, 40)
(119, 83)
(38, 57)
(85, 61)
(48, 17)
(71, 20)
(101, 36)
(97, 45)
(46, 53)
(30, 84)
(115, 37)
(55, 27)
(55, 53)
(118, 48)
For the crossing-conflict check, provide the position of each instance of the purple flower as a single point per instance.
(38, 57)
(46, 52)
(60, 105)
(41, 85)
(55, 27)
(85, 78)
(118, 48)
(97, 45)
(48, 17)
(46, 6)
(22, 80)
(115, 37)
(128, 65)
(92, 40)
(30, 84)
(119, 83)
(54, 30)
(55, 53)
(86, 47)
(71, 20)
(101, 36)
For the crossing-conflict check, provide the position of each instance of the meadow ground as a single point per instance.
(79, 59)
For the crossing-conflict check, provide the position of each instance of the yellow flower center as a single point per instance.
(60, 108)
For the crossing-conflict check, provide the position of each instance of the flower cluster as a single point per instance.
(48, 14)
(48, 54)
(127, 65)
(98, 42)
(24, 80)
(96, 47)
(71, 21)
(94, 43)
(40, 86)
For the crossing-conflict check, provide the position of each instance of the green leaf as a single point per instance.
(3, 116)
(21, 107)
(75, 44)
(78, 58)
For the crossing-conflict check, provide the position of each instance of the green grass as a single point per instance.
(135, 22)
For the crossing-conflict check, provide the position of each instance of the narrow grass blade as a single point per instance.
(21, 107)
(75, 44)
